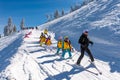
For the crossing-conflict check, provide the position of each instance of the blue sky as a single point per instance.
(33, 11)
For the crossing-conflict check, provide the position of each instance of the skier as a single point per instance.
(84, 41)
(59, 45)
(48, 43)
(42, 39)
(41, 35)
(46, 33)
(66, 47)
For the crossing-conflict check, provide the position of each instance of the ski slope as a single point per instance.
(32, 62)
(102, 19)
(23, 59)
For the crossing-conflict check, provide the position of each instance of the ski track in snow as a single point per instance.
(46, 64)
(23, 59)
(9, 50)
(50, 66)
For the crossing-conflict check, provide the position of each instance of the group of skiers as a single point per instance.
(66, 47)
(45, 39)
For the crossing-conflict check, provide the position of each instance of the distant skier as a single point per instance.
(46, 33)
(48, 43)
(27, 35)
(66, 47)
(59, 45)
(42, 39)
(84, 41)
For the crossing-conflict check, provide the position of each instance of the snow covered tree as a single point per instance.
(10, 21)
(48, 17)
(87, 1)
(92, 0)
(63, 13)
(71, 9)
(10, 25)
(5, 31)
(22, 24)
(56, 14)
(14, 29)
(9, 28)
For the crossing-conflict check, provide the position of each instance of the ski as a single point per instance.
(95, 67)
(81, 67)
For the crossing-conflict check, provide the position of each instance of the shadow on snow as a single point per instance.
(69, 74)
(8, 52)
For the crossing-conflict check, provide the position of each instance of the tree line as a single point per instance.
(11, 28)
(58, 14)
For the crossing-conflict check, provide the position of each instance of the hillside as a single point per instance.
(22, 58)
(101, 18)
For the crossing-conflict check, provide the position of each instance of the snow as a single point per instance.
(23, 59)
(32, 62)
(102, 20)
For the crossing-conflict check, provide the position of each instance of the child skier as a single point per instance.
(59, 45)
(42, 39)
(48, 43)
(46, 33)
(66, 47)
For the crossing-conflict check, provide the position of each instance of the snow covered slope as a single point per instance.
(102, 19)
(23, 59)
(29, 61)
(8, 47)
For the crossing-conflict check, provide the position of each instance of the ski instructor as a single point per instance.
(84, 41)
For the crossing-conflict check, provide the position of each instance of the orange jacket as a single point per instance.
(48, 42)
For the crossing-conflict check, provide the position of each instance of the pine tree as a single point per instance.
(5, 31)
(76, 7)
(15, 29)
(56, 14)
(22, 24)
(10, 25)
(71, 9)
(48, 17)
(63, 13)
(9, 21)
(87, 1)
(9, 28)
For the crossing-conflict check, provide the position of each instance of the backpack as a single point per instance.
(81, 40)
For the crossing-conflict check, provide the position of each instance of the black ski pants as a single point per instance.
(82, 54)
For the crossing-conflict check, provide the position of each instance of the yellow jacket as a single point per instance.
(42, 39)
(59, 44)
(66, 45)
(45, 31)
(48, 42)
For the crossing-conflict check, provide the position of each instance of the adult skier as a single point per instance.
(84, 41)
